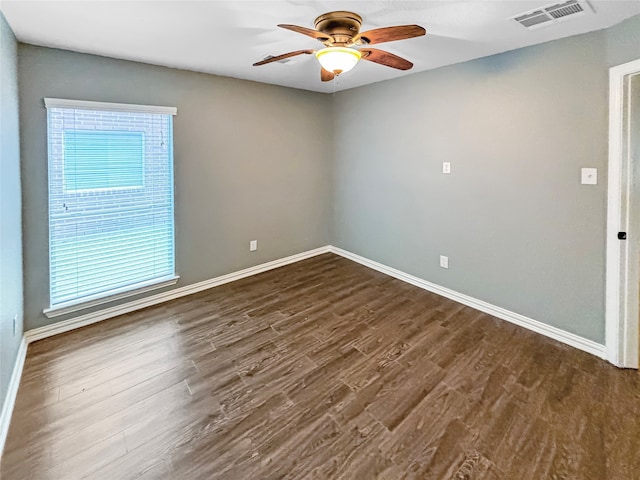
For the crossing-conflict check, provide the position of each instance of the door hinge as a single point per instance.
(622, 235)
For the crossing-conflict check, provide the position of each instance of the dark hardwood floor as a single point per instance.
(323, 369)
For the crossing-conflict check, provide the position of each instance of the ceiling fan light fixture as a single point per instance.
(338, 59)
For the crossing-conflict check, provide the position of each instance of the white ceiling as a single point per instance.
(225, 37)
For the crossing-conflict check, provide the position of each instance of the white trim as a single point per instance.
(12, 393)
(563, 336)
(119, 107)
(88, 319)
(621, 348)
(94, 317)
(124, 292)
(560, 335)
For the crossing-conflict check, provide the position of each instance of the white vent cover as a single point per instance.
(551, 14)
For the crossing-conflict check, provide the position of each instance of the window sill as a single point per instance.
(129, 291)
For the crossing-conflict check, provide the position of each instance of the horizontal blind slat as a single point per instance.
(109, 277)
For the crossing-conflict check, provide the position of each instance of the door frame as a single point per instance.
(621, 329)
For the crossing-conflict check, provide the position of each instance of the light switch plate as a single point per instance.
(589, 176)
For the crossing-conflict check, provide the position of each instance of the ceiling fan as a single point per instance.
(340, 33)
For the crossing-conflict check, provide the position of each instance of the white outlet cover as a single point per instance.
(253, 245)
(589, 176)
(446, 167)
(444, 261)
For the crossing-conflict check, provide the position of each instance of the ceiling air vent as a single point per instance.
(551, 14)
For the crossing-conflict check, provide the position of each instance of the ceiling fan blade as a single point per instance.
(305, 31)
(385, 58)
(389, 34)
(283, 56)
(326, 75)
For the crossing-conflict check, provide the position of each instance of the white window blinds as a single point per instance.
(111, 224)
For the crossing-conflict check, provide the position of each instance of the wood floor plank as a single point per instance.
(322, 369)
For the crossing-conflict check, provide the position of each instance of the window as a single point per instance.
(111, 229)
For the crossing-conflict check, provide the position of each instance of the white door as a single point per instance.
(623, 229)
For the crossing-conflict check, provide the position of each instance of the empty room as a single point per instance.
(319, 239)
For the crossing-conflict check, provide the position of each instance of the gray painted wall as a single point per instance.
(519, 229)
(249, 162)
(261, 162)
(10, 212)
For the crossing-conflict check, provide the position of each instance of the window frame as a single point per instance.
(88, 301)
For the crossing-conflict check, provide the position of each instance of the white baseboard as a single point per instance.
(558, 334)
(94, 317)
(12, 392)
(568, 338)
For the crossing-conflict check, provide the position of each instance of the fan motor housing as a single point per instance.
(340, 26)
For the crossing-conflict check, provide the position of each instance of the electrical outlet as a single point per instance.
(446, 167)
(15, 324)
(253, 245)
(444, 261)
